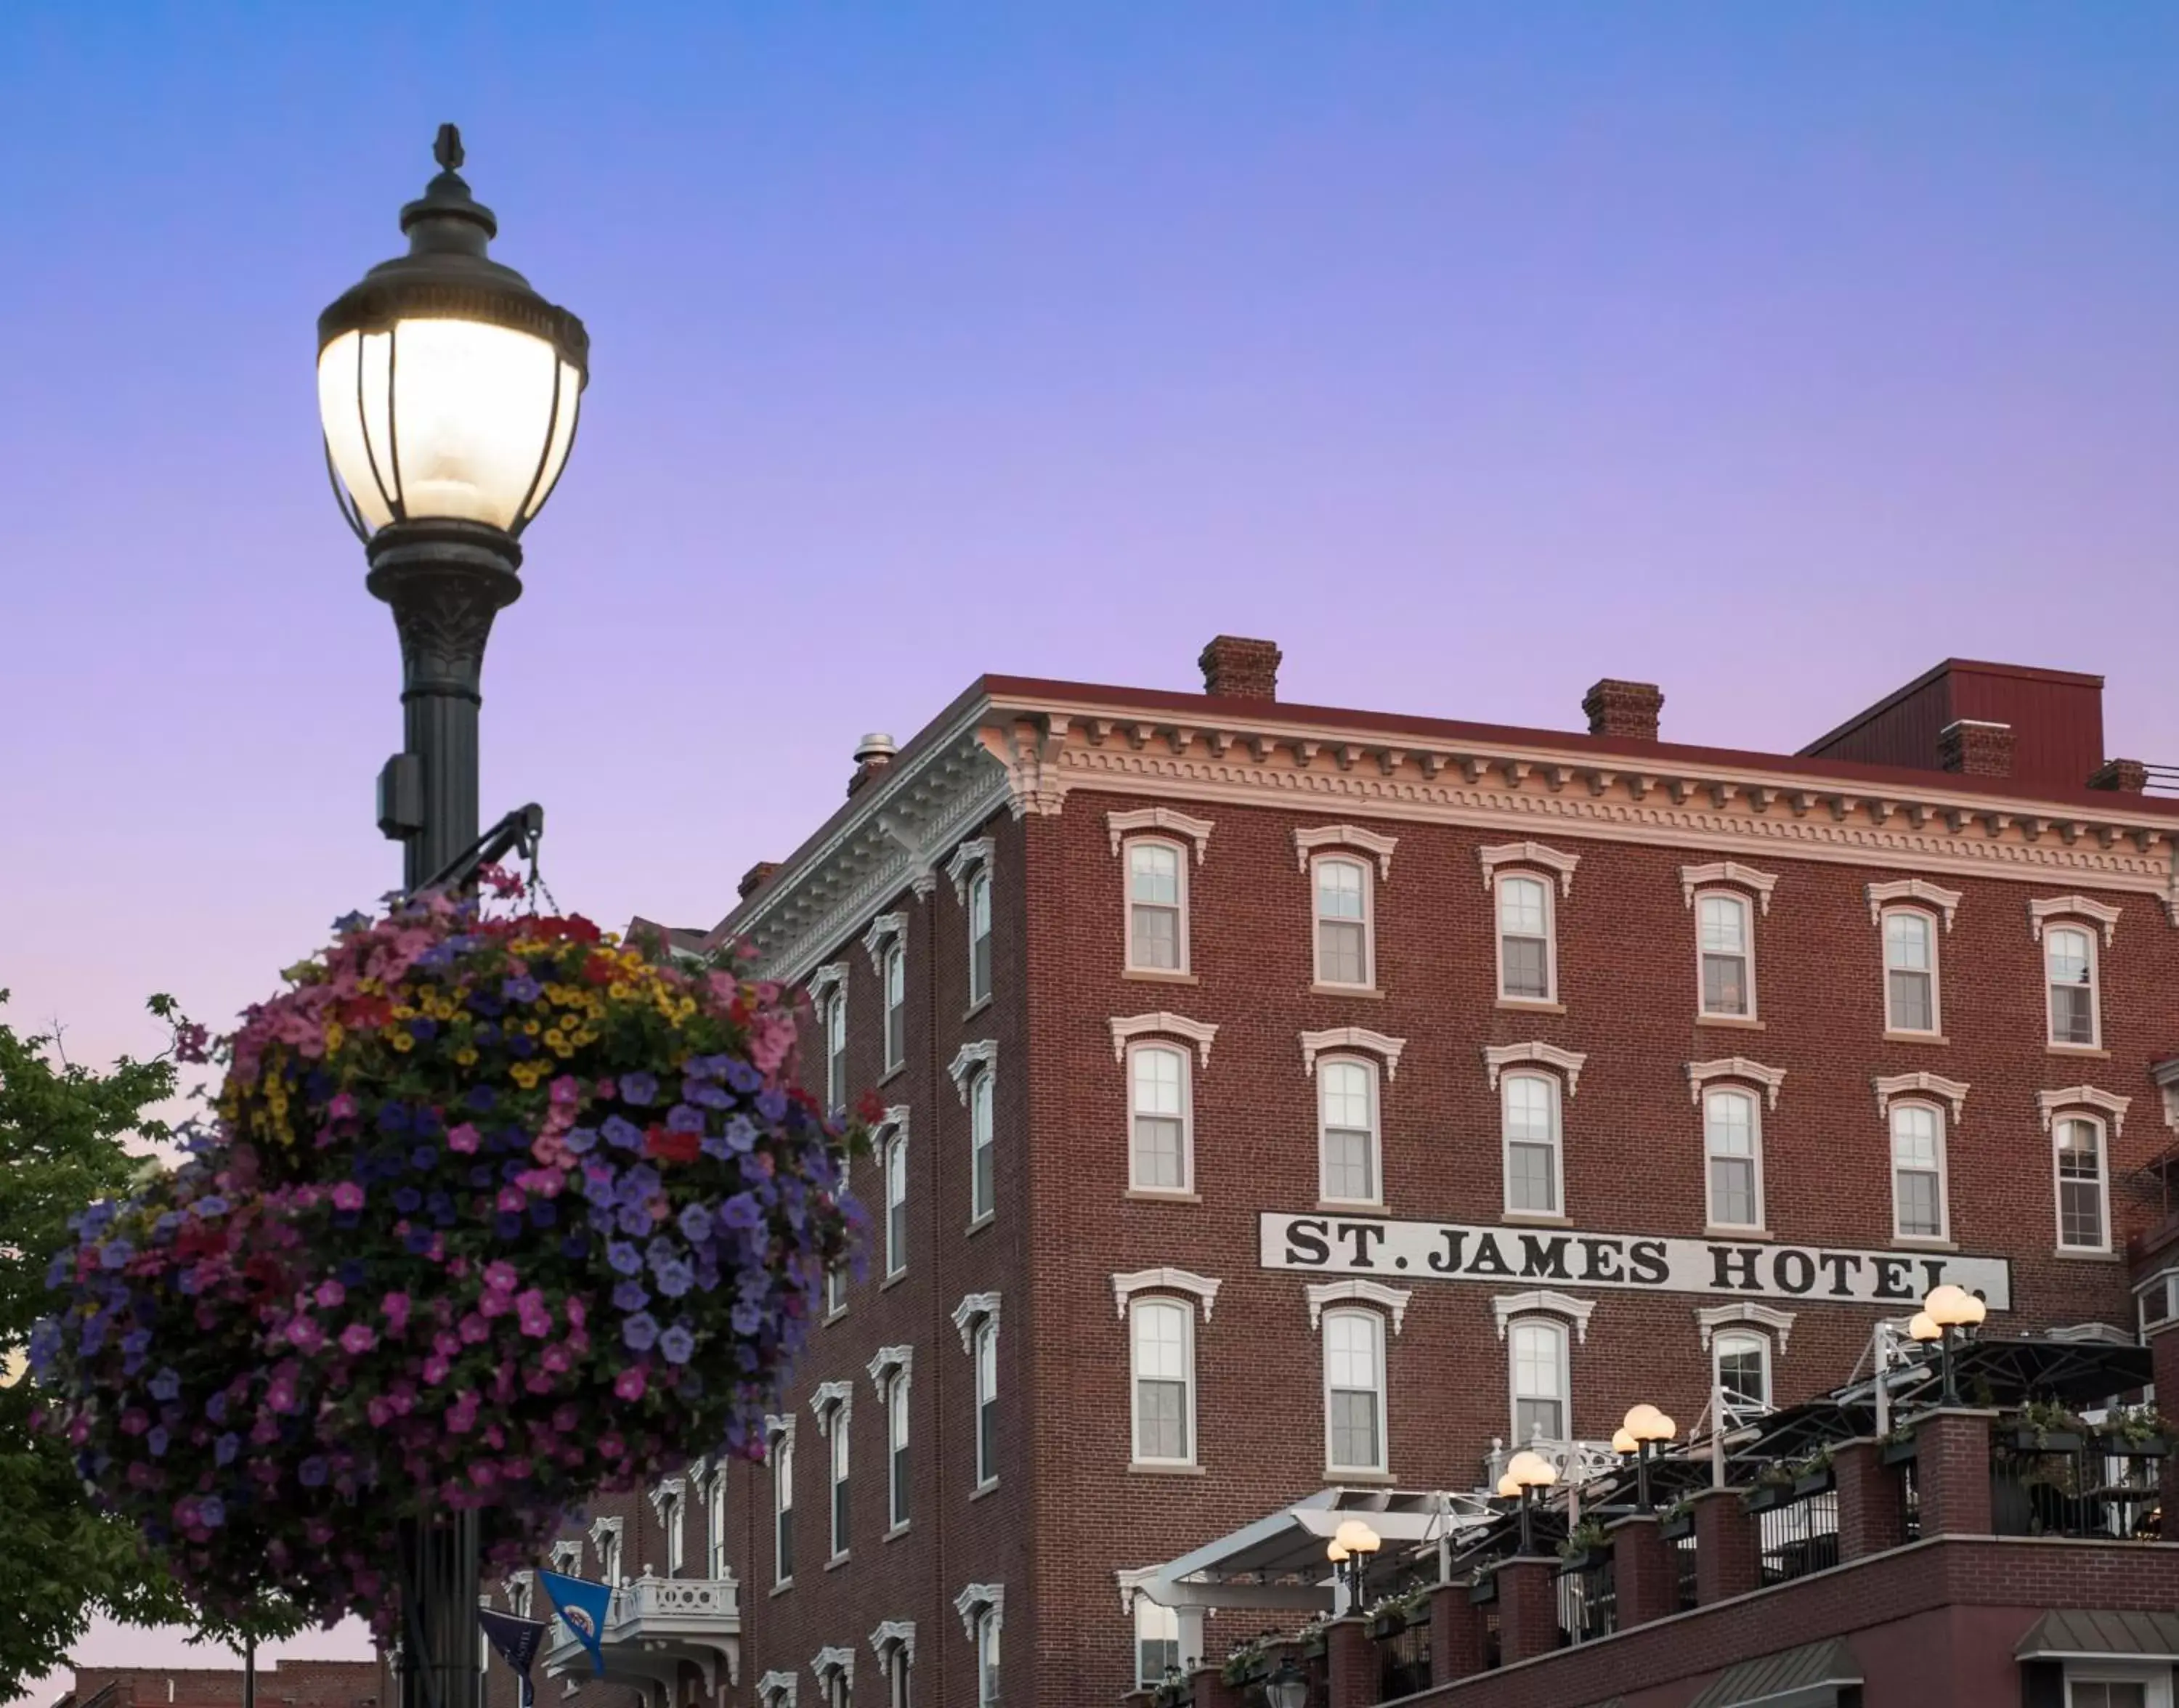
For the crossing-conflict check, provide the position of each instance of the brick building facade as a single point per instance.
(280, 1684)
(1282, 1097)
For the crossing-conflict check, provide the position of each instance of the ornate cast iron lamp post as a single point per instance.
(448, 390)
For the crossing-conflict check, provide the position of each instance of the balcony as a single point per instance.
(655, 1627)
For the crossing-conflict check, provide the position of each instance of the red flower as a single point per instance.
(600, 969)
(870, 1109)
(671, 1147)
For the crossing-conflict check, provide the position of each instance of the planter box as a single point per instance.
(2119, 1446)
(1813, 1482)
(1312, 1646)
(1245, 1672)
(1673, 1529)
(2050, 1440)
(1768, 1495)
(1582, 1561)
(1899, 1452)
(1484, 1590)
(1383, 1625)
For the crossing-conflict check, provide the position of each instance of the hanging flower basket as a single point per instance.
(495, 1213)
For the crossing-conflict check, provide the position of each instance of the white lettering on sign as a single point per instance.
(1718, 1269)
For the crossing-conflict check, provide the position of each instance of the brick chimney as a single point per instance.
(1234, 669)
(1975, 748)
(1626, 709)
(873, 753)
(754, 880)
(2127, 776)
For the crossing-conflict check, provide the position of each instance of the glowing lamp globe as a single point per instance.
(1531, 1470)
(1953, 1307)
(1621, 1441)
(1507, 1488)
(1357, 1537)
(447, 388)
(1924, 1327)
(1647, 1423)
(1335, 1552)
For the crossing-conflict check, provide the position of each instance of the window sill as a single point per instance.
(1162, 1194)
(782, 1586)
(1151, 1468)
(1738, 1022)
(1160, 975)
(1348, 1206)
(1368, 993)
(1534, 1219)
(838, 1560)
(976, 1007)
(893, 1073)
(2076, 1256)
(1715, 1232)
(980, 1223)
(897, 1532)
(1922, 1242)
(990, 1487)
(1335, 1476)
(893, 1279)
(1531, 1005)
(1915, 1037)
(832, 1316)
(2090, 1050)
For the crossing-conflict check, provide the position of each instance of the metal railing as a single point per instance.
(1589, 1602)
(2061, 1489)
(1403, 1660)
(1798, 1536)
(2163, 780)
(1683, 1572)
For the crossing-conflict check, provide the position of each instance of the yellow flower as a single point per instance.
(400, 1040)
(465, 1057)
(335, 1033)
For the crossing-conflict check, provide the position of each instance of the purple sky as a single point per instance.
(1472, 352)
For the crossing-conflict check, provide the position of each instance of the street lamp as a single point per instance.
(1646, 1428)
(448, 392)
(1946, 1309)
(1527, 1472)
(1350, 1550)
(1288, 1687)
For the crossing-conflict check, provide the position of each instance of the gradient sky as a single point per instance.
(1771, 353)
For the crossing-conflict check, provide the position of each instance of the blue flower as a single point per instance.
(741, 1134)
(212, 1511)
(715, 1145)
(136, 1342)
(544, 1213)
(677, 1344)
(625, 1259)
(115, 1254)
(682, 1117)
(521, 1045)
(771, 1105)
(165, 1385)
(357, 921)
(574, 1247)
(695, 1225)
(710, 1096)
(741, 1211)
(521, 989)
(674, 1278)
(622, 1133)
(351, 1272)
(748, 1318)
(157, 1440)
(480, 1175)
(424, 1157)
(392, 1116)
(506, 1225)
(603, 1219)
(639, 1333)
(742, 1077)
(633, 1218)
(629, 1295)
(311, 1473)
(422, 1029)
(408, 1200)
(660, 1250)
(45, 1345)
(482, 1097)
(216, 1407)
(58, 1271)
(639, 1088)
(168, 1221)
(580, 1139)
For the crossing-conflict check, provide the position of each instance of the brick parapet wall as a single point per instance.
(1951, 1471)
(280, 1684)
(2028, 1576)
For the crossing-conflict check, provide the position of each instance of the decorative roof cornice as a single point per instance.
(1024, 746)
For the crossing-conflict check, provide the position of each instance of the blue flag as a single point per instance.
(582, 1605)
(518, 1640)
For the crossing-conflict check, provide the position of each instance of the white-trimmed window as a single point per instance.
(1918, 1170)
(987, 1657)
(1910, 970)
(1159, 1118)
(1161, 1333)
(893, 970)
(673, 1504)
(835, 1459)
(1732, 1157)
(715, 1556)
(2069, 961)
(979, 903)
(896, 1480)
(838, 1691)
(1157, 1641)
(1528, 956)
(1157, 905)
(782, 1508)
(835, 1289)
(896, 1665)
(1347, 1130)
(985, 1350)
(983, 1193)
(1741, 1362)
(896, 1199)
(2083, 1184)
(1345, 951)
(1353, 1391)
(836, 1048)
(1536, 1357)
(1529, 1104)
(1725, 930)
(2116, 1684)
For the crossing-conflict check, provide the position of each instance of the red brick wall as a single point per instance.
(301, 1683)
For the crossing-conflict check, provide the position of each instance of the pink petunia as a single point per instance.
(395, 1306)
(512, 1201)
(566, 1089)
(341, 1108)
(434, 1370)
(331, 1296)
(501, 1277)
(556, 1359)
(494, 1305)
(348, 1196)
(463, 1138)
(379, 1410)
(358, 1338)
(630, 1384)
(472, 1328)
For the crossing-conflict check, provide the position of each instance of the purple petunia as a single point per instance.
(311, 1473)
(630, 1296)
(625, 1257)
(622, 1133)
(748, 1318)
(742, 1077)
(216, 1407)
(771, 1105)
(682, 1117)
(695, 1223)
(639, 1088)
(708, 1095)
(166, 1385)
(156, 1440)
(677, 1344)
(522, 988)
(741, 1211)
(674, 1278)
(639, 1333)
(212, 1511)
(633, 1218)
(741, 1134)
(115, 1254)
(582, 1141)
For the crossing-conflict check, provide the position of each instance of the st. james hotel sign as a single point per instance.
(1716, 1268)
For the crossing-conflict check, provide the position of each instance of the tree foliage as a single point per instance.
(63, 1132)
